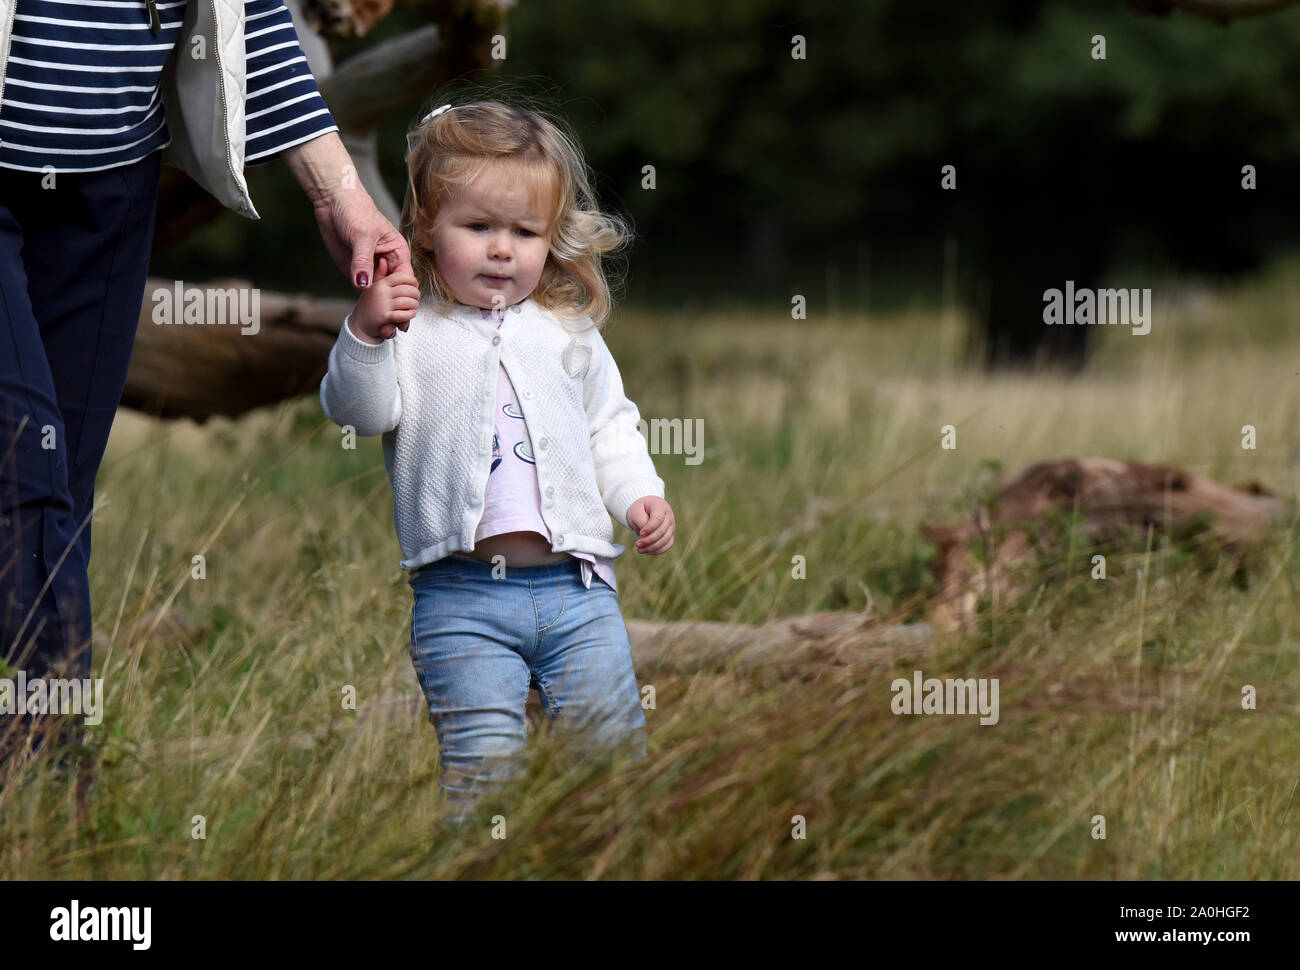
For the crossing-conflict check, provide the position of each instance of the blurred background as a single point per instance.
(821, 176)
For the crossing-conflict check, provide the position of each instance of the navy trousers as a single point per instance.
(73, 261)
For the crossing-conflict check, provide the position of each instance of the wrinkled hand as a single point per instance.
(651, 518)
(362, 243)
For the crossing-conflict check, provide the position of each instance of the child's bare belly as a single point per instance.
(518, 548)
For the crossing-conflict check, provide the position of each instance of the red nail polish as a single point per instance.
(362, 279)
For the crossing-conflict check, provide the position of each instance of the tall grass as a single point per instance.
(1119, 698)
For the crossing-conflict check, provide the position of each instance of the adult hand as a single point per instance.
(358, 236)
(362, 243)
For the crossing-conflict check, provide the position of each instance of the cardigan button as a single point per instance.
(550, 490)
(528, 393)
(559, 540)
(542, 442)
(496, 339)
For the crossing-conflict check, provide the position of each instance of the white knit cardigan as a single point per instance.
(431, 393)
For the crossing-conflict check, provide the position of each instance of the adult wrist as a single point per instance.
(323, 168)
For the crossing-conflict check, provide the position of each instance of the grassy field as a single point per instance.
(821, 438)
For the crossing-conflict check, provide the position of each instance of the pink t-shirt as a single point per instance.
(512, 501)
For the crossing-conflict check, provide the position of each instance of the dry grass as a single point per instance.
(1119, 698)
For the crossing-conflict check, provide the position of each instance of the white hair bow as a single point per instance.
(434, 113)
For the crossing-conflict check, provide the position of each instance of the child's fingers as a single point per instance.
(399, 310)
(387, 264)
(656, 520)
(661, 520)
(654, 549)
(655, 536)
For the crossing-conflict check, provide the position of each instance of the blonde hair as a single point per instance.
(452, 149)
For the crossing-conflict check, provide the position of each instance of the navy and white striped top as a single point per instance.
(82, 84)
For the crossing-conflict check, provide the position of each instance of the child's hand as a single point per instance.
(651, 518)
(388, 303)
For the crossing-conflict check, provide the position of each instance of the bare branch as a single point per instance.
(365, 89)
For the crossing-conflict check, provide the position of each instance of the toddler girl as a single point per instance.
(508, 441)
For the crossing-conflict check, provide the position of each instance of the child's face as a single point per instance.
(490, 242)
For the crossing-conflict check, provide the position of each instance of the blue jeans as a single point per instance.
(478, 644)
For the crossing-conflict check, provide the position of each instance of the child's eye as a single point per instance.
(483, 225)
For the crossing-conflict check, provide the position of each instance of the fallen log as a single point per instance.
(1111, 499)
(835, 638)
(680, 647)
(226, 366)
(683, 645)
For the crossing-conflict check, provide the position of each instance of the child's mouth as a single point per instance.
(497, 279)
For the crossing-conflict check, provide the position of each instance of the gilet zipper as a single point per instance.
(221, 85)
(9, 36)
